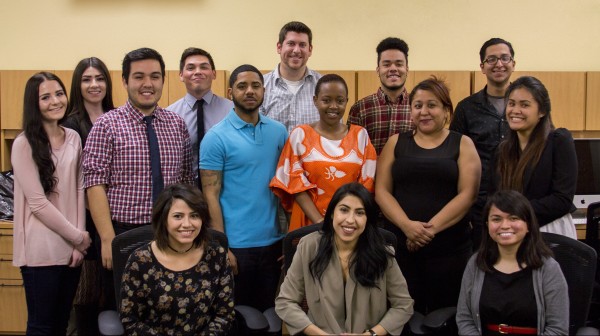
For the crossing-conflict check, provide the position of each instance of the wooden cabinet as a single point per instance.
(592, 110)
(13, 309)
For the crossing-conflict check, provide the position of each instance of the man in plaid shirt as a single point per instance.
(386, 112)
(116, 158)
(289, 89)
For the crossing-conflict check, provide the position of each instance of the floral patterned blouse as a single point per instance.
(158, 301)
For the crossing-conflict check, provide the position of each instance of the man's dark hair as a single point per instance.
(392, 43)
(296, 27)
(491, 42)
(193, 52)
(244, 68)
(140, 55)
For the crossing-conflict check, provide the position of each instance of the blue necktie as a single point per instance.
(157, 178)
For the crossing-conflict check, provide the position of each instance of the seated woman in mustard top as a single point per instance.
(512, 285)
(180, 283)
(351, 281)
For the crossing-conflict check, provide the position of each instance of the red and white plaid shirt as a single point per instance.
(116, 154)
(381, 117)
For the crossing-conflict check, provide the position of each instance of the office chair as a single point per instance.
(109, 323)
(578, 264)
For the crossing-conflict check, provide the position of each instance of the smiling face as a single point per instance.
(197, 75)
(427, 112)
(247, 92)
(331, 102)
(522, 111)
(506, 229)
(52, 101)
(183, 225)
(144, 85)
(93, 86)
(349, 220)
(294, 51)
(498, 73)
(392, 69)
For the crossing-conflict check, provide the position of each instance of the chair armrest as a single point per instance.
(416, 324)
(439, 317)
(587, 331)
(109, 323)
(273, 319)
(255, 320)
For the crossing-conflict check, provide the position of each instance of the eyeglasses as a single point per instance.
(505, 59)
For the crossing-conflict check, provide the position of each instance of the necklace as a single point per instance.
(180, 252)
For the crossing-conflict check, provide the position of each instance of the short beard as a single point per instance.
(240, 108)
(393, 88)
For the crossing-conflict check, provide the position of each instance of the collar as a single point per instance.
(139, 116)
(238, 123)
(191, 100)
(384, 99)
(308, 74)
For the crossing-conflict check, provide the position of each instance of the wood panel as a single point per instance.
(177, 88)
(11, 97)
(592, 109)
(66, 76)
(13, 308)
(567, 95)
(120, 93)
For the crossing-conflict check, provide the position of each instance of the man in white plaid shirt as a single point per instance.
(290, 87)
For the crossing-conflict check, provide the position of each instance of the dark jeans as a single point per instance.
(108, 282)
(433, 281)
(258, 275)
(49, 292)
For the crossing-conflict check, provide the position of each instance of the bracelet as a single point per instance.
(372, 332)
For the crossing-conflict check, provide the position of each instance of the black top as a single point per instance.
(82, 128)
(508, 299)
(425, 180)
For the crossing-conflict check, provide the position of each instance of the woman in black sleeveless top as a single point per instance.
(426, 182)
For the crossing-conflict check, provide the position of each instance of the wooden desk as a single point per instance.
(13, 309)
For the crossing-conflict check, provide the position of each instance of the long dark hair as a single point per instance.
(193, 197)
(76, 105)
(370, 257)
(512, 162)
(41, 150)
(532, 249)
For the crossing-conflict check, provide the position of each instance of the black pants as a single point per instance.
(258, 275)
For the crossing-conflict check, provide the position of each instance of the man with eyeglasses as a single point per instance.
(481, 117)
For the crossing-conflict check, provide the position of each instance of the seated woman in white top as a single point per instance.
(351, 281)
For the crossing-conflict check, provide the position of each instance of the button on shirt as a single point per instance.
(247, 155)
(215, 109)
(382, 117)
(288, 108)
(117, 155)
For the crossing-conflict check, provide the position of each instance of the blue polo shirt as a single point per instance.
(247, 155)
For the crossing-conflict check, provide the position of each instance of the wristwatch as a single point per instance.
(372, 332)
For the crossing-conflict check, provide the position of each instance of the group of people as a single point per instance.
(275, 158)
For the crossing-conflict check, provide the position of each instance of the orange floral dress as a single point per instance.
(319, 166)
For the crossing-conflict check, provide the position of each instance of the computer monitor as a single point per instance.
(588, 177)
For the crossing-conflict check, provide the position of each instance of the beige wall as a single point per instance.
(548, 35)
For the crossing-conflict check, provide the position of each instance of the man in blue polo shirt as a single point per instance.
(238, 158)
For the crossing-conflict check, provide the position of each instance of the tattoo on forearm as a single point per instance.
(211, 178)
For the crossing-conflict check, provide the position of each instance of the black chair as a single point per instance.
(578, 264)
(109, 322)
(592, 239)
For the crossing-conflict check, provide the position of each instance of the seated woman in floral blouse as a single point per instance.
(180, 283)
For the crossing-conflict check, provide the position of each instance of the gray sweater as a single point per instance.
(551, 296)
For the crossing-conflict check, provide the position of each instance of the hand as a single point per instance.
(412, 246)
(106, 252)
(232, 262)
(419, 233)
(85, 242)
(76, 258)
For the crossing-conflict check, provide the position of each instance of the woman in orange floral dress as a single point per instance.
(319, 158)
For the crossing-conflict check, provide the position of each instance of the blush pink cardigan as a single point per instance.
(47, 226)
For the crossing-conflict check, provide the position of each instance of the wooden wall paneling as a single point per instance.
(350, 78)
(177, 88)
(120, 93)
(592, 106)
(567, 94)
(458, 82)
(66, 76)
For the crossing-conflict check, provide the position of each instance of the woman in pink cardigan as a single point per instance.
(49, 218)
